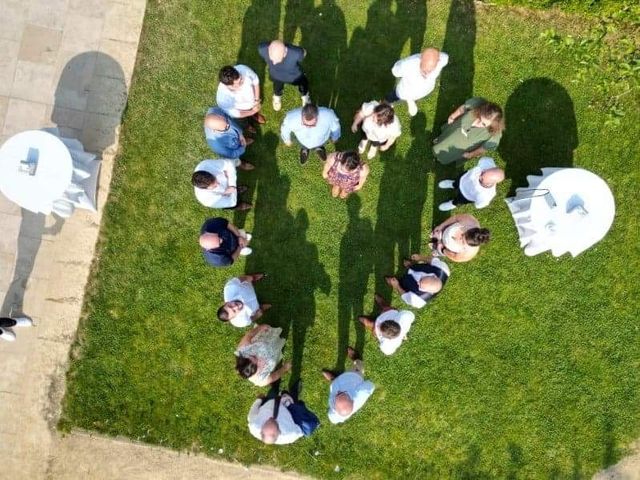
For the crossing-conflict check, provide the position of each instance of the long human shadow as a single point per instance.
(261, 22)
(356, 264)
(323, 33)
(456, 85)
(398, 230)
(282, 250)
(542, 130)
(372, 52)
(89, 100)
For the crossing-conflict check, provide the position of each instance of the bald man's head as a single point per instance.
(209, 241)
(215, 122)
(343, 404)
(491, 176)
(429, 60)
(277, 51)
(430, 284)
(270, 431)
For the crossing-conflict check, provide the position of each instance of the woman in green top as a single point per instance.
(471, 130)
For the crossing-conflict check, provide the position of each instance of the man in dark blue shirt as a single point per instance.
(284, 61)
(222, 242)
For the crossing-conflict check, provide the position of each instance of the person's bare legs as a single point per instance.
(335, 191)
(358, 366)
(344, 194)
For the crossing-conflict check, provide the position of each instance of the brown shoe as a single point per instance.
(265, 306)
(260, 118)
(243, 206)
(381, 302)
(256, 277)
(249, 141)
(246, 165)
(328, 375)
(407, 263)
(241, 189)
(249, 129)
(352, 354)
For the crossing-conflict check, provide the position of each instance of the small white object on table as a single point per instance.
(566, 210)
(53, 170)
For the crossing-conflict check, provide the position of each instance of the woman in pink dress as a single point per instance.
(345, 172)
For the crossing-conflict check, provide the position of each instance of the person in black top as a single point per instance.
(284, 61)
(426, 276)
(223, 242)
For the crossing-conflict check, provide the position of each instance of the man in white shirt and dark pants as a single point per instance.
(477, 186)
(349, 391)
(239, 93)
(241, 307)
(390, 327)
(418, 74)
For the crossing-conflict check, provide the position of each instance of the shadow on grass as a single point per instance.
(356, 264)
(456, 86)
(282, 250)
(541, 130)
(261, 22)
(323, 33)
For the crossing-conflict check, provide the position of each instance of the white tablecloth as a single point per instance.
(565, 210)
(52, 176)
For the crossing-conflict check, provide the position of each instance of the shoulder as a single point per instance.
(443, 59)
(213, 225)
(205, 165)
(327, 112)
(263, 48)
(244, 70)
(293, 115)
(296, 50)
(474, 102)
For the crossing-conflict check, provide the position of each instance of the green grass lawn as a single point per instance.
(522, 368)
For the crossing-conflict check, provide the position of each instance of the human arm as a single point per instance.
(253, 411)
(277, 374)
(395, 284)
(364, 173)
(456, 113)
(248, 337)
(387, 145)
(328, 164)
(229, 170)
(286, 128)
(476, 152)
(335, 127)
(396, 70)
(357, 120)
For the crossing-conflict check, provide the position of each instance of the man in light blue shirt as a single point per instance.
(312, 126)
(223, 135)
(349, 391)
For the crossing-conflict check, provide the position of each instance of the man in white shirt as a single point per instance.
(241, 307)
(215, 184)
(418, 74)
(391, 326)
(239, 93)
(380, 126)
(273, 424)
(477, 186)
(349, 391)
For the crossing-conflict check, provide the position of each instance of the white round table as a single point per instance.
(52, 174)
(576, 214)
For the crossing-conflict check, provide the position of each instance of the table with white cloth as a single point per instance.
(565, 210)
(43, 172)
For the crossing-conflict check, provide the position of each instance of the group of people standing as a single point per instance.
(472, 129)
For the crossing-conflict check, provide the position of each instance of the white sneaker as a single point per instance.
(248, 236)
(23, 322)
(246, 251)
(276, 102)
(413, 107)
(362, 146)
(446, 184)
(446, 206)
(372, 152)
(305, 99)
(7, 335)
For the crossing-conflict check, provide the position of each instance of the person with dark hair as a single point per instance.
(380, 126)
(418, 75)
(390, 327)
(239, 93)
(225, 137)
(471, 130)
(345, 172)
(349, 391)
(258, 354)
(241, 307)
(477, 186)
(222, 243)
(425, 278)
(7, 323)
(459, 238)
(283, 60)
(281, 417)
(215, 184)
(313, 126)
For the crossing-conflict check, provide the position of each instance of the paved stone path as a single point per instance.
(68, 64)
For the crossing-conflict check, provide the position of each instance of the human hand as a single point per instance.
(287, 366)
(392, 281)
(354, 127)
(451, 119)
(467, 155)
(384, 148)
(243, 141)
(242, 242)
